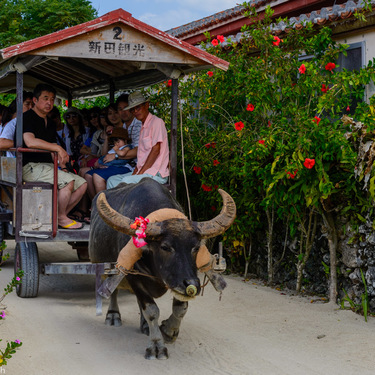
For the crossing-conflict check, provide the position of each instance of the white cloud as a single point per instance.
(169, 19)
(183, 12)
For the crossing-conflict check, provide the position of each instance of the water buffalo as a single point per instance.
(168, 261)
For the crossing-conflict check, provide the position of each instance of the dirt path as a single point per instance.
(252, 330)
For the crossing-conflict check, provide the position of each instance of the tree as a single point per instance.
(21, 20)
(269, 132)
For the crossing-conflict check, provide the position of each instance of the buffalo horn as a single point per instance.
(120, 222)
(112, 218)
(221, 222)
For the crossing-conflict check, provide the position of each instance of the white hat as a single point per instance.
(135, 98)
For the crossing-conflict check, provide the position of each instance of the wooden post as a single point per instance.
(19, 143)
(111, 91)
(70, 99)
(173, 144)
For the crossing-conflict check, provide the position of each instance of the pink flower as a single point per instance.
(277, 41)
(216, 162)
(309, 163)
(347, 109)
(215, 42)
(17, 341)
(261, 141)
(250, 107)
(210, 74)
(316, 119)
(220, 38)
(330, 66)
(239, 125)
(197, 170)
(17, 278)
(302, 69)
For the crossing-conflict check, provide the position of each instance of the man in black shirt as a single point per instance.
(39, 132)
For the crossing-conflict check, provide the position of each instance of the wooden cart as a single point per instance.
(110, 54)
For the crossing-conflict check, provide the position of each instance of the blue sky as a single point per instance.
(166, 14)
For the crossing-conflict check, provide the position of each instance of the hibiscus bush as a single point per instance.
(269, 132)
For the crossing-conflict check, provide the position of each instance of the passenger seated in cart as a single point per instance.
(107, 165)
(9, 120)
(153, 149)
(39, 132)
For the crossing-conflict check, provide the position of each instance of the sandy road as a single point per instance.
(252, 330)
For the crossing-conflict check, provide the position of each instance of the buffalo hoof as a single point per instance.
(156, 353)
(113, 318)
(169, 335)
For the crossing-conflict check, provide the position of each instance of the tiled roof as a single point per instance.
(207, 21)
(323, 16)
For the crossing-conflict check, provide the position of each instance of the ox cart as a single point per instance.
(110, 54)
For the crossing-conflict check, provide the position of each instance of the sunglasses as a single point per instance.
(137, 108)
(71, 116)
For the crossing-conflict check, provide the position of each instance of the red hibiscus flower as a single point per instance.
(330, 66)
(66, 103)
(277, 41)
(206, 187)
(197, 170)
(210, 74)
(169, 83)
(302, 69)
(207, 145)
(250, 107)
(216, 186)
(261, 141)
(239, 125)
(215, 42)
(269, 123)
(316, 119)
(216, 162)
(347, 109)
(291, 174)
(324, 88)
(220, 38)
(309, 163)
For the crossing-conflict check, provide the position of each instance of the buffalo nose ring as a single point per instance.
(191, 290)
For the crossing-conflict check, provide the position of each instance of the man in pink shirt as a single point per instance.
(153, 150)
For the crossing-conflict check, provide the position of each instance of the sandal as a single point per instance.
(69, 226)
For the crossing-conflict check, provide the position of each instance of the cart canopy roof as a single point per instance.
(113, 52)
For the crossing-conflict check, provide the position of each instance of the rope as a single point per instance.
(183, 157)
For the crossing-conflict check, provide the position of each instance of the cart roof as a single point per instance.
(112, 51)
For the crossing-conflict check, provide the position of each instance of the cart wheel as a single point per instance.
(27, 259)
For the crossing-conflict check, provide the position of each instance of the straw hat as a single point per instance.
(135, 98)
